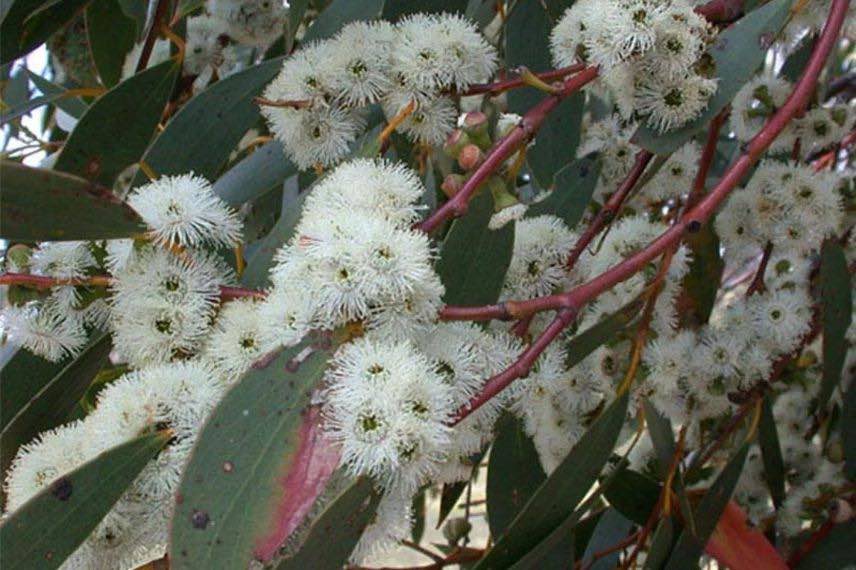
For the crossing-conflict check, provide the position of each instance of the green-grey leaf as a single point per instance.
(611, 528)
(74, 106)
(848, 431)
(51, 525)
(836, 291)
(690, 545)
(232, 485)
(771, 453)
(115, 131)
(702, 280)
(51, 405)
(341, 12)
(661, 545)
(207, 129)
(265, 169)
(527, 42)
(587, 341)
(44, 205)
(834, 551)
(633, 494)
(557, 497)
(737, 52)
(513, 474)
(256, 273)
(473, 258)
(112, 34)
(556, 142)
(21, 378)
(572, 193)
(27, 24)
(334, 534)
(395, 9)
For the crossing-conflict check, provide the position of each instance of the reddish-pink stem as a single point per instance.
(570, 302)
(611, 207)
(508, 84)
(721, 10)
(529, 125)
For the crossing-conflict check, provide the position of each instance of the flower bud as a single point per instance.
(456, 529)
(452, 184)
(456, 141)
(475, 125)
(470, 157)
(18, 258)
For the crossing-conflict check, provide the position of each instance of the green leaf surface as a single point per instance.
(633, 494)
(207, 129)
(662, 436)
(690, 545)
(334, 534)
(393, 10)
(259, 173)
(834, 551)
(21, 378)
(555, 500)
(256, 273)
(555, 145)
(51, 405)
(587, 341)
(138, 11)
(574, 186)
(74, 106)
(239, 471)
(527, 43)
(661, 544)
(115, 131)
(848, 431)
(51, 525)
(112, 34)
(29, 23)
(43, 205)
(836, 291)
(341, 12)
(513, 474)
(296, 11)
(737, 52)
(612, 528)
(701, 283)
(473, 258)
(771, 453)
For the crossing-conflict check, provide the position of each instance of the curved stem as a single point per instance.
(529, 125)
(498, 87)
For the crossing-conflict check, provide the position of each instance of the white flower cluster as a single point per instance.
(422, 60)
(648, 53)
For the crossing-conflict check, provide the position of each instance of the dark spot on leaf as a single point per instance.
(292, 365)
(49, 555)
(199, 519)
(62, 488)
(179, 498)
(766, 39)
(228, 466)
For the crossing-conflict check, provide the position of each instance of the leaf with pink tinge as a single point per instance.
(259, 464)
(739, 547)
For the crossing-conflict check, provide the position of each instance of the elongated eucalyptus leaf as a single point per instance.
(691, 545)
(474, 258)
(737, 53)
(42, 205)
(21, 378)
(556, 143)
(661, 544)
(51, 525)
(513, 474)
(29, 23)
(848, 431)
(557, 497)
(74, 106)
(115, 130)
(395, 9)
(51, 405)
(265, 169)
(701, 283)
(258, 466)
(296, 11)
(662, 436)
(587, 341)
(334, 534)
(256, 274)
(574, 186)
(771, 453)
(734, 544)
(208, 128)
(633, 494)
(612, 528)
(111, 36)
(527, 43)
(341, 12)
(834, 551)
(836, 291)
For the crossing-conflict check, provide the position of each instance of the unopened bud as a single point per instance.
(840, 511)
(452, 184)
(470, 157)
(456, 529)
(502, 198)
(456, 141)
(475, 125)
(18, 258)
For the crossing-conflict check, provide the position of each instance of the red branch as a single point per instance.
(508, 84)
(529, 125)
(721, 10)
(570, 302)
(611, 207)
